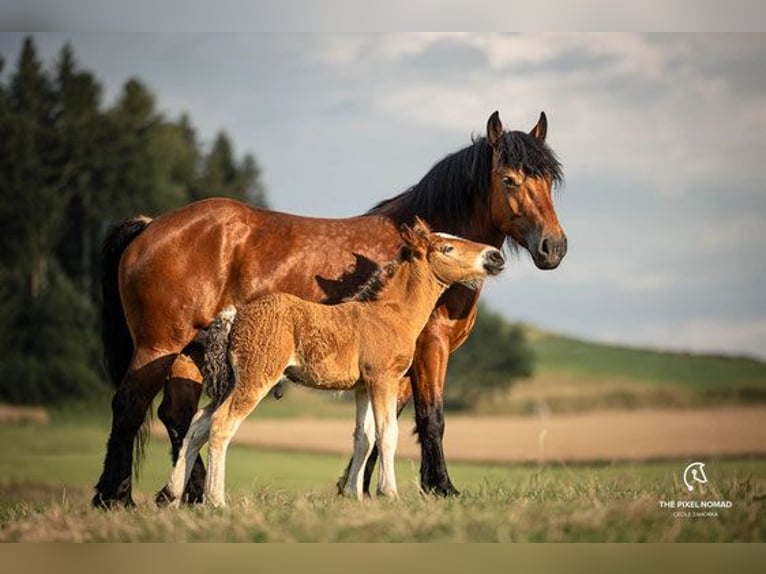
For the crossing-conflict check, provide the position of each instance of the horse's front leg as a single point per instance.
(179, 403)
(428, 371)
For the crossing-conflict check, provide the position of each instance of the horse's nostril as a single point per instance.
(494, 261)
(545, 247)
(496, 257)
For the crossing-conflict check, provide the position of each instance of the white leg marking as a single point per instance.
(387, 430)
(196, 436)
(215, 481)
(364, 439)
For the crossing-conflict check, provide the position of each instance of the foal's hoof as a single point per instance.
(164, 498)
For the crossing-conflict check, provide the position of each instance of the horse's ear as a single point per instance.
(494, 129)
(541, 129)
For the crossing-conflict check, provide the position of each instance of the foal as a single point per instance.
(366, 346)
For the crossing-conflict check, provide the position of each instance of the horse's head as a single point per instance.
(524, 170)
(452, 259)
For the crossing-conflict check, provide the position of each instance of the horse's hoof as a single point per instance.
(194, 494)
(103, 502)
(164, 498)
(443, 490)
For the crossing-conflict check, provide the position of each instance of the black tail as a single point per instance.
(115, 336)
(218, 375)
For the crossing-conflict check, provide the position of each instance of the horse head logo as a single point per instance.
(695, 472)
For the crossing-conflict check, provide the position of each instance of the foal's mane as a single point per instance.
(452, 187)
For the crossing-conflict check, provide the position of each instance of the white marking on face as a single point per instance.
(446, 235)
(481, 260)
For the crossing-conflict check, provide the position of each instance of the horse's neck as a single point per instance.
(415, 289)
(476, 226)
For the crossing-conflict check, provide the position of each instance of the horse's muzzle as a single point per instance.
(494, 262)
(550, 251)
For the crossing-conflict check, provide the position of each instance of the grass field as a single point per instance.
(278, 496)
(47, 470)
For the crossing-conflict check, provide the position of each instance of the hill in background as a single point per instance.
(573, 375)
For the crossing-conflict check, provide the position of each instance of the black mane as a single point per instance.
(451, 188)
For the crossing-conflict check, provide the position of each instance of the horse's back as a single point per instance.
(190, 263)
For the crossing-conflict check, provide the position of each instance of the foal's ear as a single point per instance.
(415, 238)
(541, 129)
(494, 129)
(421, 228)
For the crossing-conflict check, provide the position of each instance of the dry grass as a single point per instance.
(597, 505)
(13, 414)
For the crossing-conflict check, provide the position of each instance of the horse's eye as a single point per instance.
(446, 249)
(509, 182)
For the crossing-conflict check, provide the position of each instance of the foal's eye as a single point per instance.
(446, 248)
(509, 182)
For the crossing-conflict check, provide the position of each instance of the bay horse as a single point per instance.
(365, 344)
(167, 278)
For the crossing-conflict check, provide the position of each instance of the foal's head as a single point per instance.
(524, 170)
(451, 259)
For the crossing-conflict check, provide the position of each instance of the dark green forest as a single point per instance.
(71, 165)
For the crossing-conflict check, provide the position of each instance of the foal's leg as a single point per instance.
(405, 393)
(383, 394)
(140, 385)
(226, 420)
(179, 404)
(364, 439)
(198, 434)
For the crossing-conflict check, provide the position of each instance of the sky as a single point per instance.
(662, 138)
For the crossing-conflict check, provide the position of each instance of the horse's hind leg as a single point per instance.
(179, 403)
(129, 406)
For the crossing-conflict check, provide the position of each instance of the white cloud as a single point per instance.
(698, 334)
(687, 128)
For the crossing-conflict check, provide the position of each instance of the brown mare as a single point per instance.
(366, 345)
(167, 279)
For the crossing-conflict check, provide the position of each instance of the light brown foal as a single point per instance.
(363, 345)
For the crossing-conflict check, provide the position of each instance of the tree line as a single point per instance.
(70, 166)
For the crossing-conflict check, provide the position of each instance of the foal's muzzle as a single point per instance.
(493, 261)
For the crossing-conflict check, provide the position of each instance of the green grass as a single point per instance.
(46, 475)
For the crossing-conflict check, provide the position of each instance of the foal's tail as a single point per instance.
(115, 336)
(218, 375)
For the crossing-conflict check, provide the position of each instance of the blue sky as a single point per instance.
(661, 137)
